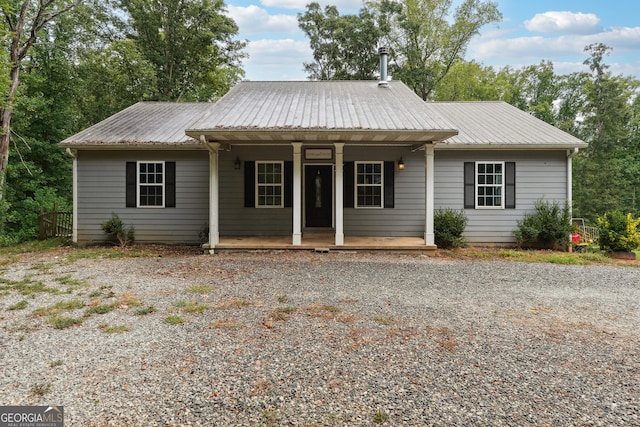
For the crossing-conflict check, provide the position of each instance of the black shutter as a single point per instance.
(170, 184)
(131, 186)
(288, 184)
(389, 175)
(348, 175)
(510, 185)
(469, 185)
(249, 184)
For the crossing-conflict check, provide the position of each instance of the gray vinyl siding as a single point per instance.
(407, 217)
(237, 220)
(539, 175)
(101, 192)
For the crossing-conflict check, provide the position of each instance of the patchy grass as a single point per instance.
(283, 299)
(129, 299)
(380, 417)
(40, 389)
(200, 289)
(56, 363)
(101, 309)
(554, 257)
(144, 311)
(173, 320)
(227, 324)
(323, 311)
(192, 307)
(63, 322)
(20, 305)
(34, 246)
(57, 308)
(114, 329)
(25, 287)
(71, 283)
(384, 319)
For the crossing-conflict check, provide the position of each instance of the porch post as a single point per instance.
(297, 194)
(214, 212)
(74, 155)
(429, 238)
(339, 202)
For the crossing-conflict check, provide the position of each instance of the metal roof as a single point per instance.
(144, 123)
(321, 110)
(499, 124)
(349, 111)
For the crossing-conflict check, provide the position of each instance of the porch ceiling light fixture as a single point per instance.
(400, 164)
(237, 163)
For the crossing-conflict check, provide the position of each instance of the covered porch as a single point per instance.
(323, 242)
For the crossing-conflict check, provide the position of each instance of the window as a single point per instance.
(151, 184)
(369, 185)
(269, 184)
(490, 185)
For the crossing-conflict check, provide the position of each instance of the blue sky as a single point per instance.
(531, 31)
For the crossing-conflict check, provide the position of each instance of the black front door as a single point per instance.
(318, 195)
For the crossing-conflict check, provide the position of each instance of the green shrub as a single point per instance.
(449, 226)
(618, 232)
(549, 227)
(117, 231)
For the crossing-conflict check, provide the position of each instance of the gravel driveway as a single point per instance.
(306, 339)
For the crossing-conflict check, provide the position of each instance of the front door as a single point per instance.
(318, 195)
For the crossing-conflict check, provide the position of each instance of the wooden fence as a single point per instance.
(55, 224)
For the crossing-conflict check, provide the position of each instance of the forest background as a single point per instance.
(66, 65)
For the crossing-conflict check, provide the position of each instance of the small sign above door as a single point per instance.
(318, 154)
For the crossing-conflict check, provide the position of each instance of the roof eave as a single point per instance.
(322, 135)
(511, 146)
(194, 145)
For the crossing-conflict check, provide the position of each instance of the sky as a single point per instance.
(531, 31)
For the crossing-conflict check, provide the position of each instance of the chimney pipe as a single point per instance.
(383, 51)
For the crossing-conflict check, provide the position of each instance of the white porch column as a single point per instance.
(74, 155)
(429, 238)
(297, 194)
(214, 193)
(339, 202)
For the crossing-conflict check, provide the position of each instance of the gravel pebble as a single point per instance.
(307, 339)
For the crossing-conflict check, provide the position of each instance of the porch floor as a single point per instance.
(322, 242)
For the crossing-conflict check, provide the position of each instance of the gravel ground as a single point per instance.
(306, 339)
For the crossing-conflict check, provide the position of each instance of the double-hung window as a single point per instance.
(269, 184)
(489, 184)
(369, 184)
(151, 184)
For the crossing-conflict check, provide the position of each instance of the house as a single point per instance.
(353, 159)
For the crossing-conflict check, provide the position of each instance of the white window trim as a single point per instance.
(502, 186)
(356, 185)
(257, 184)
(138, 184)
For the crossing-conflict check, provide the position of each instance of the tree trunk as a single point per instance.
(7, 113)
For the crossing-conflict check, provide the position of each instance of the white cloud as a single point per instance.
(569, 22)
(253, 19)
(501, 47)
(277, 59)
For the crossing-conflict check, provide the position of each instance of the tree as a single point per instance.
(344, 46)
(603, 179)
(424, 43)
(23, 24)
(189, 44)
